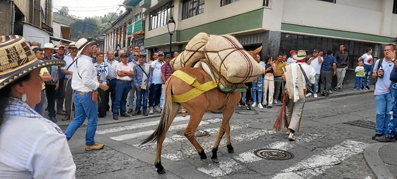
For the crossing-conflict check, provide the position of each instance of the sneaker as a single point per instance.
(291, 137)
(275, 101)
(65, 118)
(130, 111)
(315, 95)
(145, 113)
(94, 147)
(137, 113)
(53, 119)
(330, 92)
(340, 89)
(125, 115)
(260, 106)
(115, 118)
(336, 89)
(322, 94)
(157, 109)
(248, 106)
(254, 104)
(360, 89)
(355, 89)
(376, 135)
(308, 95)
(368, 88)
(384, 138)
(151, 110)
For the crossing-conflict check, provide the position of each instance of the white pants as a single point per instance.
(269, 85)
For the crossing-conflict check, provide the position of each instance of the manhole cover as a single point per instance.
(274, 154)
(199, 133)
(247, 112)
(363, 124)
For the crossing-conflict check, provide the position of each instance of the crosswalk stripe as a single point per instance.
(317, 164)
(190, 151)
(249, 156)
(172, 128)
(229, 165)
(138, 125)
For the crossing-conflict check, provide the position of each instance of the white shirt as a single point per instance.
(317, 66)
(156, 65)
(31, 148)
(291, 60)
(310, 73)
(84, 75)
(367, 59)
(68, 59)
(112, 69)
(127, 68)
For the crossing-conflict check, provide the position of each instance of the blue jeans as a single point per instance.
(139, 94)
(132, 96)
(154, 94)
(315, 86)
(243, 94)
(392, 128)
(39, 108)
(258, 87)
(367, 73)
(383, 107)
(122, 89)
(162, 96)
(84, 107)
(359, 82)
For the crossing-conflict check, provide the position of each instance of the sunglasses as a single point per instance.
(135, 55)
(161, 55)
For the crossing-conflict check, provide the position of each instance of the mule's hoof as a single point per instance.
(215, 160)
(202, 155)
(230, 151)
(161, 172)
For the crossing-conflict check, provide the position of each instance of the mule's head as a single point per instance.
(255, 52)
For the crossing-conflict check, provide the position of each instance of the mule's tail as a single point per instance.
(165, 114)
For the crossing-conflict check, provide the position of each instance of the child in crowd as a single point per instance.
(359, 75)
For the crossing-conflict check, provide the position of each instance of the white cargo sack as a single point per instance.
(194, 51)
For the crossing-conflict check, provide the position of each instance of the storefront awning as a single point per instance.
(132, 2)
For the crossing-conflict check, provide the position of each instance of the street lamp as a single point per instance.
(171, 29)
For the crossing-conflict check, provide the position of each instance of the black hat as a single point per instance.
(123, 55)
(168, 56)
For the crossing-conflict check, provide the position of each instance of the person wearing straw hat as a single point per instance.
(31, 146)
(51, 86)
(297, 76)
(68, 71)
(85, 84)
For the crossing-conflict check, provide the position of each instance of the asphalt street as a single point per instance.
(326, 146)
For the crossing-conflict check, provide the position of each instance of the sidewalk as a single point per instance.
(382, 159)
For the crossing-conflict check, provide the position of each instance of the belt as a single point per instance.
(125, 81)
(83, 93)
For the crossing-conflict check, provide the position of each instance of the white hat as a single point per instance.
(48, 46)
(300, 55)
(80, 44)
(33, 47)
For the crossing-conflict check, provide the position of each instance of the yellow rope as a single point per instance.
(196, 91)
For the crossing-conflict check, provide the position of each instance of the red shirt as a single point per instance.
(167, 70)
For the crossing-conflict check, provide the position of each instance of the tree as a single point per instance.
(64, 11)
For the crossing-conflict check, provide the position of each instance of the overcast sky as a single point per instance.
(88, 8)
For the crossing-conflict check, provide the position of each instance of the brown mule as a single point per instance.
(208, 101)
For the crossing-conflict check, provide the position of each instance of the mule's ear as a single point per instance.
(258, 50)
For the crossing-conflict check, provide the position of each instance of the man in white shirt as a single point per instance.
(296, 93)
(125, 72)
(112, 76)
(291, 59)
(84, 82)
(368, 60)
(315, 61)
(155, 89)
(68, 71)
(133, 88)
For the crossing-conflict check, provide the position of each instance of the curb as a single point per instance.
(375, 163)
(333, 96)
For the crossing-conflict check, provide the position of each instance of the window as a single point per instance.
(266, 3)
(332, 1)
(191, 8)
(159, 17)
(226, 2)
(395, 7)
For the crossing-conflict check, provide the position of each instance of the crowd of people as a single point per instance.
(129, 75)
(267, 89)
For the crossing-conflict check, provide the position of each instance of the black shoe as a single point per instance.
(137, 113)
(322, 94)
(376, 135)
(368, 88)
(384, 138)
(66, 118)
(269, 107)
(101, 116)
(130, 111)
(125, 115)
(115, 118)
(145, 113)
(53, 119)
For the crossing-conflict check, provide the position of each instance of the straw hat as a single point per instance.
(17, 59)
(72, 45)
(301, 54)
(80, 44)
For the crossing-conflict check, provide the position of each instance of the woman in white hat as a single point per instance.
(30, 145)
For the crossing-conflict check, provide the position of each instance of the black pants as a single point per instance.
(51, 95)
(112, 91)
(61, 95)
(103, 103)
(248, 95)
